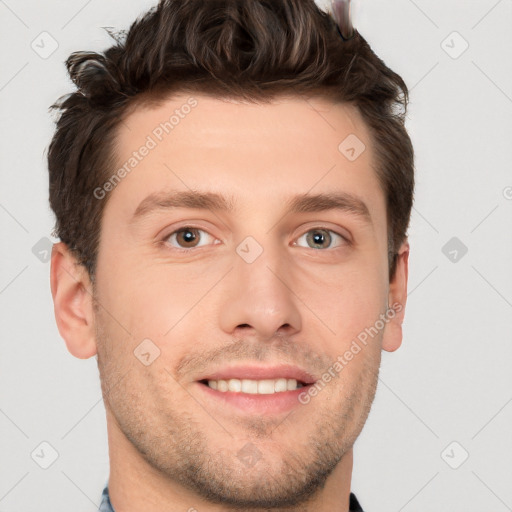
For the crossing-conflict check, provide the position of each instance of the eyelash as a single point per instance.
(316, 228)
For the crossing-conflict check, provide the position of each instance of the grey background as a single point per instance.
(449, 382)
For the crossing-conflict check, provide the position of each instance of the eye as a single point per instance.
(187, 237)
(321, 238)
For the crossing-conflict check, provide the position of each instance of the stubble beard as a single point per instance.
(175, 444)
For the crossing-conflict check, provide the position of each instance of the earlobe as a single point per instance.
(72, 299)
(397, 298)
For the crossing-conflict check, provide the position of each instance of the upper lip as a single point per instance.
(260, 372)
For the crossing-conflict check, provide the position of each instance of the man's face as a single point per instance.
(257, 295)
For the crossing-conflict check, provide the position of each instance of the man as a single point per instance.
(232, 184)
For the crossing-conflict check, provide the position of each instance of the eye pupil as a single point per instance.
(319, 236)
(188, 235)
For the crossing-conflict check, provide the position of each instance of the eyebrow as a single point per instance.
(302, 203)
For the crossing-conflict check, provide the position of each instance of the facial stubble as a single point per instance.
(175, 441)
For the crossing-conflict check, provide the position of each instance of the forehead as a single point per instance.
(195, 115)
(256, 152)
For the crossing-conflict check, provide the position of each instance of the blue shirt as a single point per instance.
(106, 506)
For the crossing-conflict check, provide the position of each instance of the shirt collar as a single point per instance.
(105, 505)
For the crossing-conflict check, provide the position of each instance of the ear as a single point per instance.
(397, 298)
(72, 299)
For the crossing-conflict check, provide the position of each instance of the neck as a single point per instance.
(135, 485)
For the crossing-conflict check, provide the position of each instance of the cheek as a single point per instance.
(346, 301)
(154, 301)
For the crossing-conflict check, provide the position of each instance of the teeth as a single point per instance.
(280, 385)
(266, 387)
(234, 385)
(250, 386)
(255, 387)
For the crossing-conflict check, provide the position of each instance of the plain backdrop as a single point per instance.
(439, 433)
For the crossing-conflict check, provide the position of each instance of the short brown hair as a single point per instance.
(252, 50)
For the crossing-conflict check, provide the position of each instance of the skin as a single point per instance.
(171, 448)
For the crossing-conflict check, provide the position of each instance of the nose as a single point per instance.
(258, 297)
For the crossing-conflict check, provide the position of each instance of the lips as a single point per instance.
(252, 372)
(254, 390)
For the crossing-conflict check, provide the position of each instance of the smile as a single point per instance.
(261, 390)
(255, 387)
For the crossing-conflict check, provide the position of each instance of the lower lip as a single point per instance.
(274, 403)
